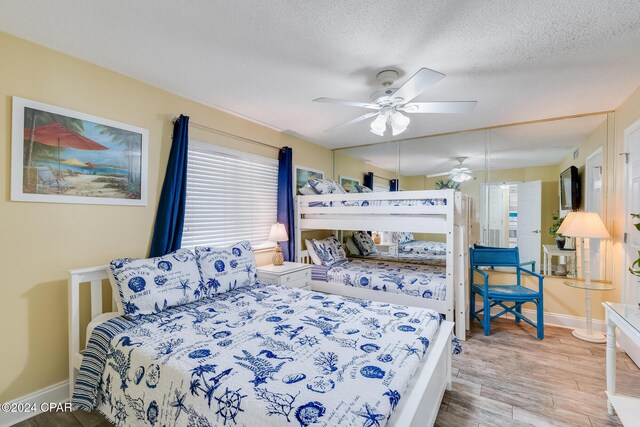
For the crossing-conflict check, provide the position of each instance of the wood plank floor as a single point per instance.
(508, 379)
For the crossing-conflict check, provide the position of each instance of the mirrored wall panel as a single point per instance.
(521, 180)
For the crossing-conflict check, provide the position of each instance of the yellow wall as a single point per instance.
(352, 167)
(41, 241)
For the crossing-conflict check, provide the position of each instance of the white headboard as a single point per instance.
(81, 277)
(303, 257)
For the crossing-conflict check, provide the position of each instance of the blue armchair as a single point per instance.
(493, 295)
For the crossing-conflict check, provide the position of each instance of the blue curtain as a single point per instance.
(368, 180)
(394, 185)
(285, 201)
(167, 232)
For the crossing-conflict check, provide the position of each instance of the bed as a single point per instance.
(444, 212)
(421, 281)
(261, 355)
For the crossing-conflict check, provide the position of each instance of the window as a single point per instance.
(231, 196)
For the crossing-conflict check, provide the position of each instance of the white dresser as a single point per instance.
(292, 274)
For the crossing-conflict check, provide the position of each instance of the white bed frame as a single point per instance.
(418, 407)
(451, 219)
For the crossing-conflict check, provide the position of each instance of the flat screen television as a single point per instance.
(570, 189)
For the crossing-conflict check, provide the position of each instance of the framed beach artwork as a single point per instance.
(303, 174)
(63, 156)
(349, 184)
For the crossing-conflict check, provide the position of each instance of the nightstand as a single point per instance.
(392, 248)
(292, 274)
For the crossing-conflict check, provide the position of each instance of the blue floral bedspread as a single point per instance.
(256, 356)
(423, 281)
(399, 202)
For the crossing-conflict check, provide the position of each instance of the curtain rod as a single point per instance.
(230, 135)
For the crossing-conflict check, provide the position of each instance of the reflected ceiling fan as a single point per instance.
(389, 103)
(457, 174)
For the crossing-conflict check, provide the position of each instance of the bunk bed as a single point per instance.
(431, 211)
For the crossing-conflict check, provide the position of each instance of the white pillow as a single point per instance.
(326, 186)
(227, 268)
(151, 285)
(312, 252)
(353, 249)
(363, 189)
(115, 292)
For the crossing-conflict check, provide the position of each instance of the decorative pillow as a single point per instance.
(364, 243)
(363, 189)
(152, 285)
(402, 237)
(307, 190)
(329, 250)
(312, 252)
(326, 186)
(351, 247)
(227, 268)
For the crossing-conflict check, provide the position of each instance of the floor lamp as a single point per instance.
(585, 225)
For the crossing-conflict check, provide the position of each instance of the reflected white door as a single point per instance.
(593, 203)
(631, 295)
(529, 221)
(494, 216)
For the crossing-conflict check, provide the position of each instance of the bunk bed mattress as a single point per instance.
(416, 280)
(398, 202)
(421, 247)
(412, 258)
(262, 355)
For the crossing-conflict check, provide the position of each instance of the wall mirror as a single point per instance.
(512, 175)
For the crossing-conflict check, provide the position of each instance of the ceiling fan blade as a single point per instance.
(439, 107)
(434, 175)
(349, 103)
(350, 122)
(418, 83)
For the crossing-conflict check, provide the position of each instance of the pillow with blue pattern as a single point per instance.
(402, 237)
(151, 285)
(329, 250)
(363, 189)
(226, 268)
(326, 186)
(364, 243)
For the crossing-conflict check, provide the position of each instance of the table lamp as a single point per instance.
(278, 234)
(585, 225)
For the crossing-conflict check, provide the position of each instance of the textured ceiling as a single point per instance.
(267, 60)
(540, 144)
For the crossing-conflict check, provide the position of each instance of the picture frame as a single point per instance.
(64, 156)
(349, 184)
(303, 174)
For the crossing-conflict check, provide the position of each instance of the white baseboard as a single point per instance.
(55, 393)
(555, 319)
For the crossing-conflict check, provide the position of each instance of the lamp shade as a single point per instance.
(278, 233)
(583, 224)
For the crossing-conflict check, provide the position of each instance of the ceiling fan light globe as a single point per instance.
(400, 120)
(397, 130)
(460, 177)
(379, 125)
(377, 131)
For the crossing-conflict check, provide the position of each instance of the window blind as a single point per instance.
(231, 196)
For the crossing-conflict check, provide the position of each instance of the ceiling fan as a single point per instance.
(458, 174)
(389, 103)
